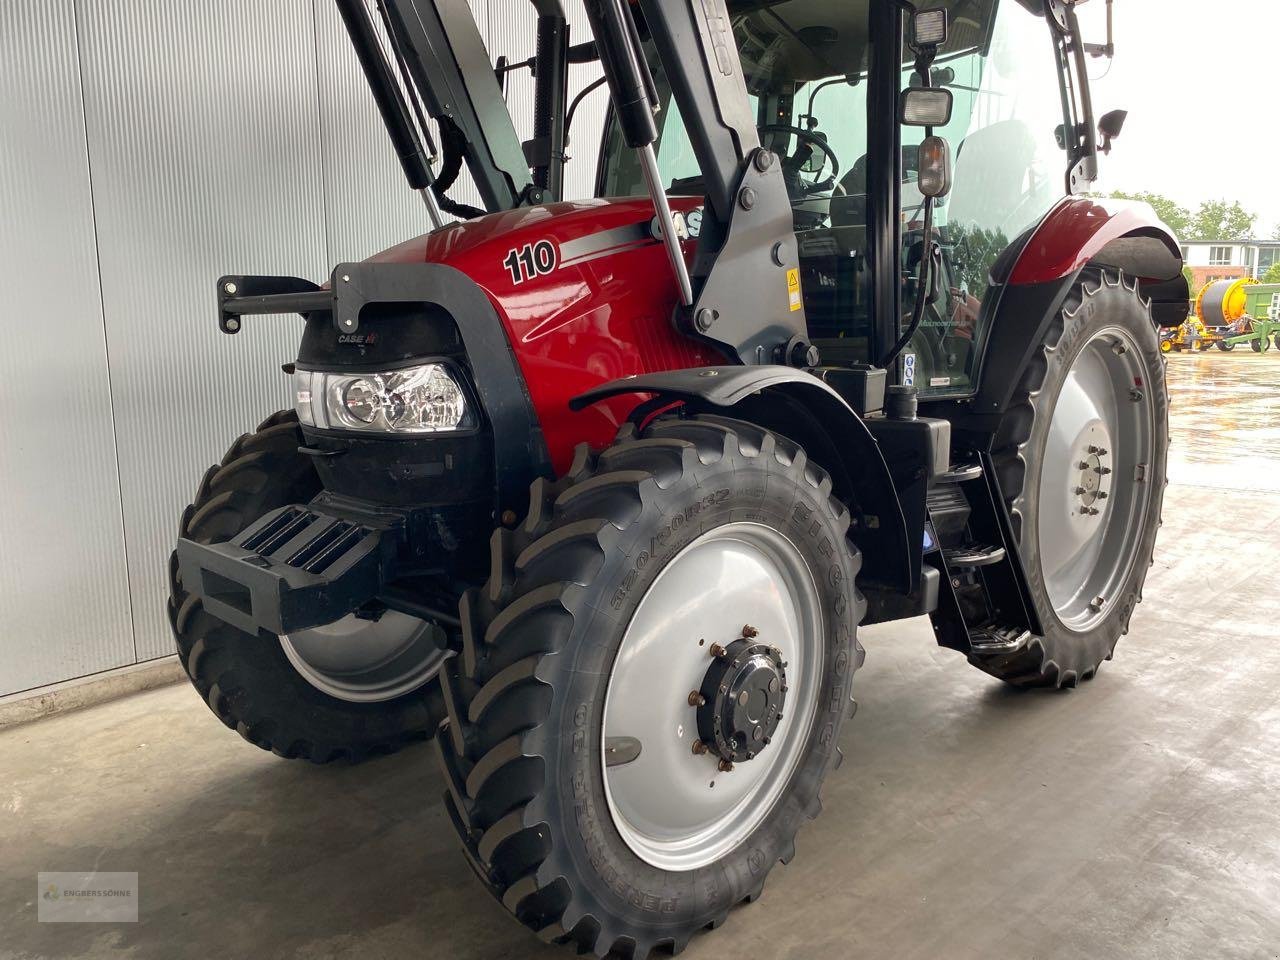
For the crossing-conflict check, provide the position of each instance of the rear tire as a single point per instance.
(248, 681)
(1106, 321)
(522, 749)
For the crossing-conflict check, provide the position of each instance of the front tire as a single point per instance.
(287, 695)
(1081, 461)
(591, 596)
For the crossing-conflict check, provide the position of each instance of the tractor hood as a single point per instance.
(579, 230)
(585, 295)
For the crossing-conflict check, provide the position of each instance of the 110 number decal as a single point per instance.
(531, 260)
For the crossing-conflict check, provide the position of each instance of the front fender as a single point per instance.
(805, 409)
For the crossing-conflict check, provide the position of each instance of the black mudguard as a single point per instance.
(799, 405)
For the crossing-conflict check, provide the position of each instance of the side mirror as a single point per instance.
(1109, 126)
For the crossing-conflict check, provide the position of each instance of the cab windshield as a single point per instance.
(805, 68)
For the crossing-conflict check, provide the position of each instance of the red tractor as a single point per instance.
(597, 493)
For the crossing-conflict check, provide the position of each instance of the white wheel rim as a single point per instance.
(1094, 485)
(365, 661)
(675, 809)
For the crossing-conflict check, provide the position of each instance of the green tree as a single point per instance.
(1220, 220)
(1191, 280)
(1273, 273)
(1174, 214)
(973, 251)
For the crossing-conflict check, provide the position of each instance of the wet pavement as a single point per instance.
(1134, 818)
(1225, 419)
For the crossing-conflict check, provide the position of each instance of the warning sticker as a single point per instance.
(793, 289)
(909, 370)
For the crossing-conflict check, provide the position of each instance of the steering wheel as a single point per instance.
(793, 164)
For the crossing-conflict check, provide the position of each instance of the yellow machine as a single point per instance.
(1223, 302)
(1235, 312)
(1192, 330)
(1222, 309)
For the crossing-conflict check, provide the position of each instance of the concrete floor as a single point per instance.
(1137, 817)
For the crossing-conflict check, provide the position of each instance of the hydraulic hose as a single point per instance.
(451, 150)
(924, 292)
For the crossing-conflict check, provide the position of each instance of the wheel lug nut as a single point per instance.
(1102, 494)
(725, 766)
(1080, 490)
(1093, 511)
(1103, 471)
(716, 651)
(699, 747)
(750, 632)
(696, 699)
(1083, 464)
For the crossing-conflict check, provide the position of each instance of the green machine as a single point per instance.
(1242, 311)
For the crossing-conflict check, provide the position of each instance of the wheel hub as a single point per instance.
(742, 696)
(1092, 468)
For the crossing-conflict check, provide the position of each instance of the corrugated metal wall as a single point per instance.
(145, 148)
(63, 591)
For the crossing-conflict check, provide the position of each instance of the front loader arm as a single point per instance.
(742, 295)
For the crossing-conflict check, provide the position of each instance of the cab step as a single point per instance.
(974, 555)
(961, 473)
(997, 641)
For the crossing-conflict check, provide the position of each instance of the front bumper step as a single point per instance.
(296, 567)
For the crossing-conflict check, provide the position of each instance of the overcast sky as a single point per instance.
(1197, 80)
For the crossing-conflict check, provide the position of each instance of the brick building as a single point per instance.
(1211, 260)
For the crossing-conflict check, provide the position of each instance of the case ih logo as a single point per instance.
(358, 339)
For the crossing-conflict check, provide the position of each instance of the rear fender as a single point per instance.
(801, 407)
(1030, 284)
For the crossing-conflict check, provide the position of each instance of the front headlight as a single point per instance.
(421, 399)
